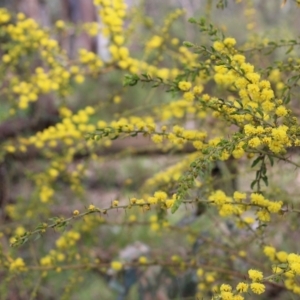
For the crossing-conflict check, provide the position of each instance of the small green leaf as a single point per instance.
(265, 180)
(260, 112)
(176, 205)
(188, 44)
(282, 266)
(115, 137)
(287, 99)
(134, 134)
(37, 237)
(192, 20)
(289, 50)
(253, 184)
(256, 161)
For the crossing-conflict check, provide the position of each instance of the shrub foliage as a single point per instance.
(213, 216)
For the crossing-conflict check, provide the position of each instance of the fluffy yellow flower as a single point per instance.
(282, 256)
(225, 288)
(254, 142)
(237, 196)
(143, 260)
(275, 207)
(198, 89)
(281, 111)
(60, 24)
(189, 96)
(218, 46)
(116, 265)
(184, 85)
(156, 138)
(17, 265)
(255, 275)
(257, 288)
(270, 252)
(295, 267)
(6, 58)
(115, 203)
(226, 296)
(91, 207)
(263, 216)
(258, 199)
(160, 196)
(242, 287)
(218, 197)
(229, 42)
(155, 42)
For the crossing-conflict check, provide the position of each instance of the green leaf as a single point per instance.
(265, 180)
(257, 175)
(287, 99)
(256, 161)
(115, 137)
(188, 44)
(271, 160)
(37, 237)
(260, 112)
(289, 50)
(283, 265)
(24, 241)
(263, 169)
(253, 184)
(192, 20)
(40, 226)
(131, 80)
(176, 205)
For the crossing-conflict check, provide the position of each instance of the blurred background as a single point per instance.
(124, 169)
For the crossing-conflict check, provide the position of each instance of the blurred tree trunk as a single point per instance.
(78, 12)
(35, 9)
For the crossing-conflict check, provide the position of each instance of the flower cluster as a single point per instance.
(17, 265)
(237, 205)
(168, 177)
(112, 15)
(224, 108)
(287, 266)
(159, 198)
(26, 38)
(132, 126)
(72, 127)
